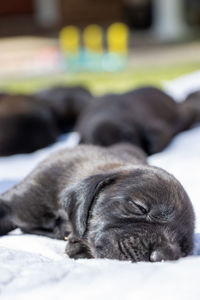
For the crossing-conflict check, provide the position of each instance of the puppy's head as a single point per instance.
(141, 214)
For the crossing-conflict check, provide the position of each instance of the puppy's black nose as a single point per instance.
(156, 256)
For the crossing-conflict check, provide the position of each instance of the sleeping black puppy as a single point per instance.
(146, 117)
(108, 203)
(67, 103)
(25, 125)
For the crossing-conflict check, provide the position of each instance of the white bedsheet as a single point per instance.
(35, 267)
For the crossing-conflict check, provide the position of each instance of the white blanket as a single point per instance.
(35, 267)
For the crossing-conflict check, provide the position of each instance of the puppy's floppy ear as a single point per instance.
(78, 199)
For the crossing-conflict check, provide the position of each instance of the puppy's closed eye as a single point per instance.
(137, 208)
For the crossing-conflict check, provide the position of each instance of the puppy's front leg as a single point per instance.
(32, 206)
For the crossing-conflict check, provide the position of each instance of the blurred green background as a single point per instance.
(100, 83)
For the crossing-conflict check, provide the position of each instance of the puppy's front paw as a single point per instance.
(77, 249)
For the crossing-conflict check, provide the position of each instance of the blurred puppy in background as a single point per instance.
(192, 103)
(146, 117)
(25, 125)
(28, 123)
(67, 103)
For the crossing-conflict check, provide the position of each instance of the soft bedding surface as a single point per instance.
(35, 267)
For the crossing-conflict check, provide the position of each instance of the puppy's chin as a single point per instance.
(135, 245)
(133, 254)
(123, 250)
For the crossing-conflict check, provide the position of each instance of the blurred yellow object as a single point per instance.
(117, 37)
(70, 39)
(93, 38)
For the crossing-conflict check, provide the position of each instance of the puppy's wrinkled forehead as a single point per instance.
(152, 186)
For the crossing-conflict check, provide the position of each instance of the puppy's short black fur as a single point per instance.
(25, 125)
(28, 123)
(192, 103)
(107, 201)
(67, 103)
(146, 117)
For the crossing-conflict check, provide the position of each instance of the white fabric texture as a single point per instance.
(35, 267)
